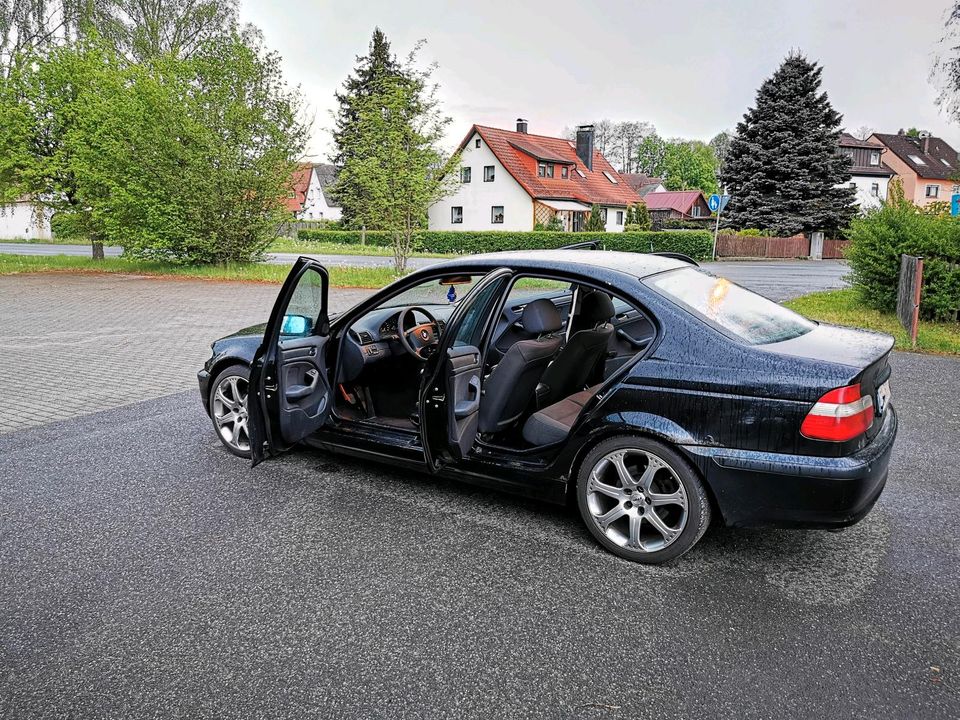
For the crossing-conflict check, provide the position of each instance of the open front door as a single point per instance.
(453, 378)
(290, 394)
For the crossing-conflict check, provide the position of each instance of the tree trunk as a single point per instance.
(97, 249)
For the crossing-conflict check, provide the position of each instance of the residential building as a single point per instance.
(643, 183)
(19, 221)
(926, 165)
(512, 180)
(309, 196)
(869, 175)
(676, 205)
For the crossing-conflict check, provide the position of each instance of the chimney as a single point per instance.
(925, 142)
(521, 126)
(585, 145)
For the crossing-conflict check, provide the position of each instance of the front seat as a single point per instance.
(575, 364)
(509, 389)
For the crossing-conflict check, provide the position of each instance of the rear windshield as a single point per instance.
(745, 314)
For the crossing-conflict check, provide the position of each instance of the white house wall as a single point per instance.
(19, 221)
(611, 225)
(315, 205)
(865, 199)
(478, 197)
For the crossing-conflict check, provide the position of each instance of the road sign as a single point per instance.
(955, 205)
(717, 203)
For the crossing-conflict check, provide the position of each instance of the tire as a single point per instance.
(228, 408)
(618, 499)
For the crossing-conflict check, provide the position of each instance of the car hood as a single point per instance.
(253, 330)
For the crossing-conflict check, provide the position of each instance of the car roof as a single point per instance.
(594, 263)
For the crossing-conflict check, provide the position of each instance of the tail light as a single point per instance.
(841, 414)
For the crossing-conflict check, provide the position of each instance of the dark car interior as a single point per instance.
(553, 344)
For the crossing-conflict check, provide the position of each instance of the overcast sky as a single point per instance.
(690, 67)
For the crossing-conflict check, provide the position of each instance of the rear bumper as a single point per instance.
(763, 489)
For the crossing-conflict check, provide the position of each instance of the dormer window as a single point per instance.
(874, 157)
(545, 170)
(564, 172)
(609, 177)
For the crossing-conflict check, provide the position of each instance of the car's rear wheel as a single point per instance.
(642, 500)
(228, 409)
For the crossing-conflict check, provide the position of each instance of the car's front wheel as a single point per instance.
(642, 500)
(228, 409)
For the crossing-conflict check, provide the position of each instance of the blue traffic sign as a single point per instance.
(955, 205)
(717, 203)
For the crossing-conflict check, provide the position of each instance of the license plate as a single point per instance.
(883, 397)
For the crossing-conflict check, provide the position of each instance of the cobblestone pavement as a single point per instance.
(72, 345)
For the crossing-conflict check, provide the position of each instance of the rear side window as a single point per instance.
(745, 314)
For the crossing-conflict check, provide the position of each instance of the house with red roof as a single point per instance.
(676, 205)
(512, 180)
(308, 197)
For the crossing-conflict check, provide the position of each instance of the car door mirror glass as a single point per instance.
(298, 325)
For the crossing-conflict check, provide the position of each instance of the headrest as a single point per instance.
(596, 307)
(540, 316)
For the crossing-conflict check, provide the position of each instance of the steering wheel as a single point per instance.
(420, 339)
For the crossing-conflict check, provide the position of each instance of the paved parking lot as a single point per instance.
(72, 345)
(147, 573)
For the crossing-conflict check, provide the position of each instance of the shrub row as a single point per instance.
(878, 240)
(698, 244)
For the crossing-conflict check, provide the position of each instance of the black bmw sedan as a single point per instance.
(653, 395)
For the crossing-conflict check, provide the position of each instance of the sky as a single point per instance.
(690, 67)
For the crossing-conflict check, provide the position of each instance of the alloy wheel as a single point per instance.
(230, 412)
(636, 500)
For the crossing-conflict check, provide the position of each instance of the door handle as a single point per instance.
(469, 406)
(296, 392)
(638, 344)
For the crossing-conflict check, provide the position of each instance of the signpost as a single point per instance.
(717, 203)
(955, 204)
(908, 294)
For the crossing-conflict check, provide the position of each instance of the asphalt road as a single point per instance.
(147, 573)
(777, 279)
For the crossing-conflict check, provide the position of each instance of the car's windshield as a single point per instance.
(745, 314)
(443, 291)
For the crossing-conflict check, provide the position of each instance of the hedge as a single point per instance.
(878, 240)
(698, 244)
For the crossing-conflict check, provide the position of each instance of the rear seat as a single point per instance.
(553, 423)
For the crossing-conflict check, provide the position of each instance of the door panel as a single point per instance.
(464, 366)
(451, 391)
(632, 333)
(290, 388)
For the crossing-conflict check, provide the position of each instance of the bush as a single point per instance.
(878, 240)
(696, 244)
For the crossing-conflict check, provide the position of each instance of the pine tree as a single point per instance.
(640, 216)
(595, 222)
(783, 171)
(369, 73)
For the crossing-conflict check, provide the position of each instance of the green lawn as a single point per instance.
(289, 245)
(340, 276)
(54, 241)
(841, 307)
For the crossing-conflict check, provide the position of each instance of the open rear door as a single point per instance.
(290, 394)
(452, 387)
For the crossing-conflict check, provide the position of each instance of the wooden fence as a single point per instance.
(797, 246)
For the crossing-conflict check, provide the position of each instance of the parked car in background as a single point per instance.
(653, 395)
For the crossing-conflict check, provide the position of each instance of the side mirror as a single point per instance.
(295, 325)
